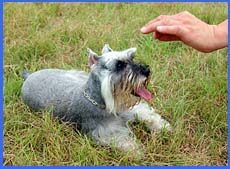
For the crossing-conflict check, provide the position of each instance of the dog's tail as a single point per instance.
(25, 74)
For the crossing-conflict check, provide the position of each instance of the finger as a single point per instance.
(158, 35)
(165, 37)
(172, 30)
(156, 19)
(164, 22)
(149, 28)
(168, 38)
(161, 17)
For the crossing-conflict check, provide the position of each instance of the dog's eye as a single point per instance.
(120, 65)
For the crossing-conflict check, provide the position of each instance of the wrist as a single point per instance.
(220, 35)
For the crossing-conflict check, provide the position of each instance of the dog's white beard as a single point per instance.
(117, 100)
(107, 94)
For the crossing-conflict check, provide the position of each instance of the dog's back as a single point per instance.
(52, 87)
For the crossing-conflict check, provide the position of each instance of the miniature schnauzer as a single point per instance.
(101, 103)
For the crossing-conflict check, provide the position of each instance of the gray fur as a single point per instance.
(63, 91)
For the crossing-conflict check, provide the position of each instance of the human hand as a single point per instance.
(190, 30)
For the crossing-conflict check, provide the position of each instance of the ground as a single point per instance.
(189, 87)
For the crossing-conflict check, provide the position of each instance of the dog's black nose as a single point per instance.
(145, 70)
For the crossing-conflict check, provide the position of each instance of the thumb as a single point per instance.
(172, 30)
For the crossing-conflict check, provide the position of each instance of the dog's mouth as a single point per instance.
(142, 92)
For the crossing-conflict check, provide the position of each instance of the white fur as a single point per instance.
(146, 113)
(106, 49)
(107, 95)
(116, 133)
(109, 57)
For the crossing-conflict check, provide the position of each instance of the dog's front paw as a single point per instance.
(157, 125)
(128, 145)
(165, 125)
(133, 149)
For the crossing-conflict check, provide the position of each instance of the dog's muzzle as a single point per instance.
(141, 90)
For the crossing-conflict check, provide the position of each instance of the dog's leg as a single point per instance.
(115, 132)
(145, 113)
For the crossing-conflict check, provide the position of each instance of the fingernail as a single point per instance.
(144, 29)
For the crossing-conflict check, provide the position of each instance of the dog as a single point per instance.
(99, 104)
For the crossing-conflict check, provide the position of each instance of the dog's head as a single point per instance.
(123, 82)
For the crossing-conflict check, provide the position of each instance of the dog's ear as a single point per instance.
(131, 52)
(106, 49)
(93, 57)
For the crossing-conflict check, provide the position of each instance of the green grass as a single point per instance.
(189, 87)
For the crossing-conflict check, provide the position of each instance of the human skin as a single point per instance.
(190, 30)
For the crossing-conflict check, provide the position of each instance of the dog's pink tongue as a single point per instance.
(144, 93)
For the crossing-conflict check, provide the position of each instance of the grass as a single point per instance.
(189, 87)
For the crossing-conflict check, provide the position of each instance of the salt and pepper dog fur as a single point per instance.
(101, 103)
